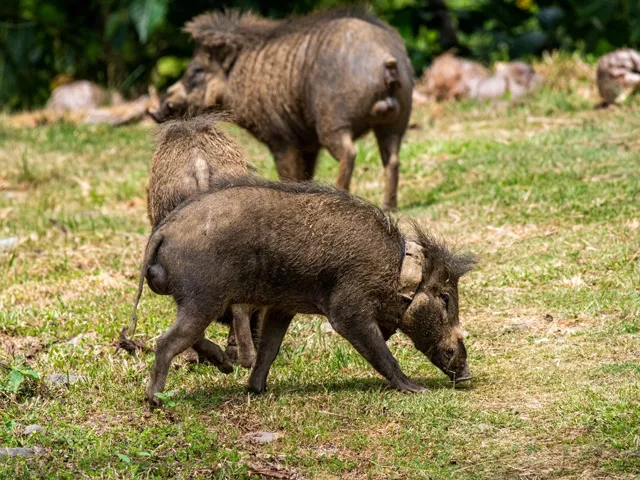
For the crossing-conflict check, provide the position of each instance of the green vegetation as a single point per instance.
(130, 44)
(547, 193)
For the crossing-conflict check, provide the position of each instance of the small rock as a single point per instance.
(20, 452)
(63, 379)
(326, 327)
(8, 242)
(548, 317)
(31, 429)
(262, 438)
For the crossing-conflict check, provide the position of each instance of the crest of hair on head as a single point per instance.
(438, 253)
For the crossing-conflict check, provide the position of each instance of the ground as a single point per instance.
(546, 191)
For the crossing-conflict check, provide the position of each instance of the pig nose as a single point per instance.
(154, 113)
(464, 375)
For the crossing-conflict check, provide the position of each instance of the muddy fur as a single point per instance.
(302, 248)
(301, 84)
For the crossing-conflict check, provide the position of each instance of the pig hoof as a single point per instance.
(247, 362)
(257, 390)
(153, 401)
(409, 386)
(225, 368)
(232, 353)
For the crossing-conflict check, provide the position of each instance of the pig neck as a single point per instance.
(391, 321)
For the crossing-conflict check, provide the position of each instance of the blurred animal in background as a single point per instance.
(454, 78)
(618, 76)
(301, 84)
(81, 95)
(82, 101)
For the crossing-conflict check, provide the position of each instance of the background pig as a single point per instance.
(301, 248)
(301, 84)
(455, 78)
(190, 155)
(618, 75)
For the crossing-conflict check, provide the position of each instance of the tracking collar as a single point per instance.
(411, 269)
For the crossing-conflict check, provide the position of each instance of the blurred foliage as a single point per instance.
(128, 44)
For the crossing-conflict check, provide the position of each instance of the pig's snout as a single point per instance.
(463, 376)
(155, 114)
(456, 366)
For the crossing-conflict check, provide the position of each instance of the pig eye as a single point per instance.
(445, 299)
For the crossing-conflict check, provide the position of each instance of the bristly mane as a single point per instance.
(228, 26)
(438, 252)
(191, 126)
(235, 27)
(308, 188)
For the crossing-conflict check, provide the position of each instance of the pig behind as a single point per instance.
(190, 155)
(301, 248)
(301, 84)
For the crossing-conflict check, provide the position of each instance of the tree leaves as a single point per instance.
(147, 15)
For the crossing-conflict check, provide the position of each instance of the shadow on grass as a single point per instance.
(288, 388)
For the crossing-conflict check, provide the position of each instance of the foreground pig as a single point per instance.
(618, 75)
(302, 84)
(302, 248)
(191, 155)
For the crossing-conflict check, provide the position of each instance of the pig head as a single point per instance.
(429, 290)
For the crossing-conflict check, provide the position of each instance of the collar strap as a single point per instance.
(411, 269)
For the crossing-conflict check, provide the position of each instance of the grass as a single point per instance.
(547, 192)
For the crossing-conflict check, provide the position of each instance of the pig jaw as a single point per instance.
(452, 362)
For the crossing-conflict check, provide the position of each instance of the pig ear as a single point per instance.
(411, 273)
(218, 33)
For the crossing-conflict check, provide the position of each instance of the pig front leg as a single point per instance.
(364, 334)
(274, 326)
(289, 163)
(187, 330)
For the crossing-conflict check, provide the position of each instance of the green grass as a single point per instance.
(546, 192)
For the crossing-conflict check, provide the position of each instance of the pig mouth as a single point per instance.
(155, 114)
(463, 376)
(462, 379)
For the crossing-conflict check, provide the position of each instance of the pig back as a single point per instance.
(329, 70)
(267, 246)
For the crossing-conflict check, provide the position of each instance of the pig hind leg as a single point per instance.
(389, 146)
(365, 335)
(340, 145)
(187, 330)
(242, 329)
(272, 330)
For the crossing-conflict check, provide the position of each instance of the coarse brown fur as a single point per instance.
(303, 83)
(302, 248)
(190, 155)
